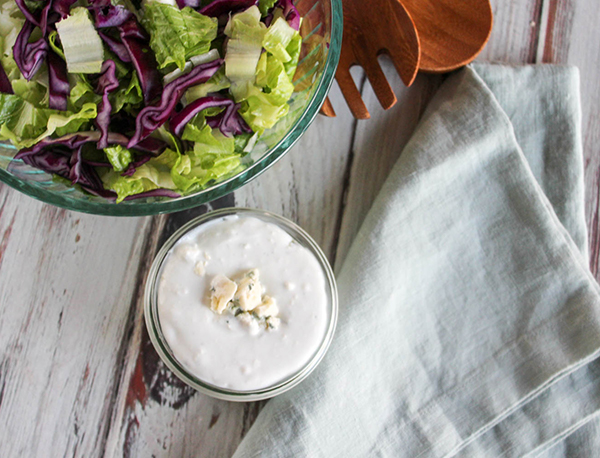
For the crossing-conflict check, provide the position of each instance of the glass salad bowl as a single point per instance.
(321, 32)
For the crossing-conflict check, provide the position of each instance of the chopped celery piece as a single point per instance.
(81, 43)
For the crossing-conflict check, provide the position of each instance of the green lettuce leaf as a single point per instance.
(81, 93)
(265, 102)
(118, 156)
(11, 22)
(274, 80)
(154, 174)
(277, 39)
(246, 34)
(293, 50)
(261, 111)
(265, 5)
(176, 35)
(129, 94)
(55, 47)
(24, 124)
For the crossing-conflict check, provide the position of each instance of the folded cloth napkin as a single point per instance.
(469, 321)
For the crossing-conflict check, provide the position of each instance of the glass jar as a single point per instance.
(162, 347)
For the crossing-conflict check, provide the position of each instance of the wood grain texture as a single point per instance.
(451, 33)
(66, 282)
(516, 30)
(572, 29)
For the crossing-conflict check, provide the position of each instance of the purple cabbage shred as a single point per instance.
(5, 86)
(219, 8)
(29, 56)
(152, 117)
(106, 83)
(58, 90)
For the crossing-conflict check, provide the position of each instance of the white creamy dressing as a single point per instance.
(220, 349)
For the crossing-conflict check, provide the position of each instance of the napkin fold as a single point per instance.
(469, 321)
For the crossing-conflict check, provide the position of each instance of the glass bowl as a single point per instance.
(321, 32)
(162, 347)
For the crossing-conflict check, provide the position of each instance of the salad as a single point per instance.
(158, 98)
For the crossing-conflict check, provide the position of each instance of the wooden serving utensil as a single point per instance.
(370, 29)
(452, 33)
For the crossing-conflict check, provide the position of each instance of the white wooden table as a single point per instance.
(78, 375)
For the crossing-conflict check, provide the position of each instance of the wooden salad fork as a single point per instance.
(437, 36)
(372, 28)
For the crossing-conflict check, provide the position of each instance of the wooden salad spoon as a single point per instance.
(452, 33)
(370, 29)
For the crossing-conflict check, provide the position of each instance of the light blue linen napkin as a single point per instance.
(469, 322)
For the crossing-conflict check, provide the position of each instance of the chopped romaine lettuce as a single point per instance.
(177, 35)
(265, 5)
(246, 34)
(128, 94)
(118, 156)
(277, 39)
(25, 125)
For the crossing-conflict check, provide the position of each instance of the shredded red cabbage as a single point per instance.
(116, 46)
(136, 43)
(67, 164)
(228, 121)
(58, 87)
(179, 120)
(72, 141)
(28, 14)
(191, 3)
(106, 83)
(83, 173)
(224, 7)
(161, 192)
(111, 15)
(290, 13)
(62, 7)
(29, 56)
(5, 86)
(151, 117)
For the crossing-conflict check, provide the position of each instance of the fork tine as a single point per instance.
(351, 94)
(327, 108)
(379, 83)
(405, 51)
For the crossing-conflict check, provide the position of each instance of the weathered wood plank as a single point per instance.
(514, 38)
(571, 38)
(66, 281)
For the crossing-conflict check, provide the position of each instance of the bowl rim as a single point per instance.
(161, 346)
(220, 189)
